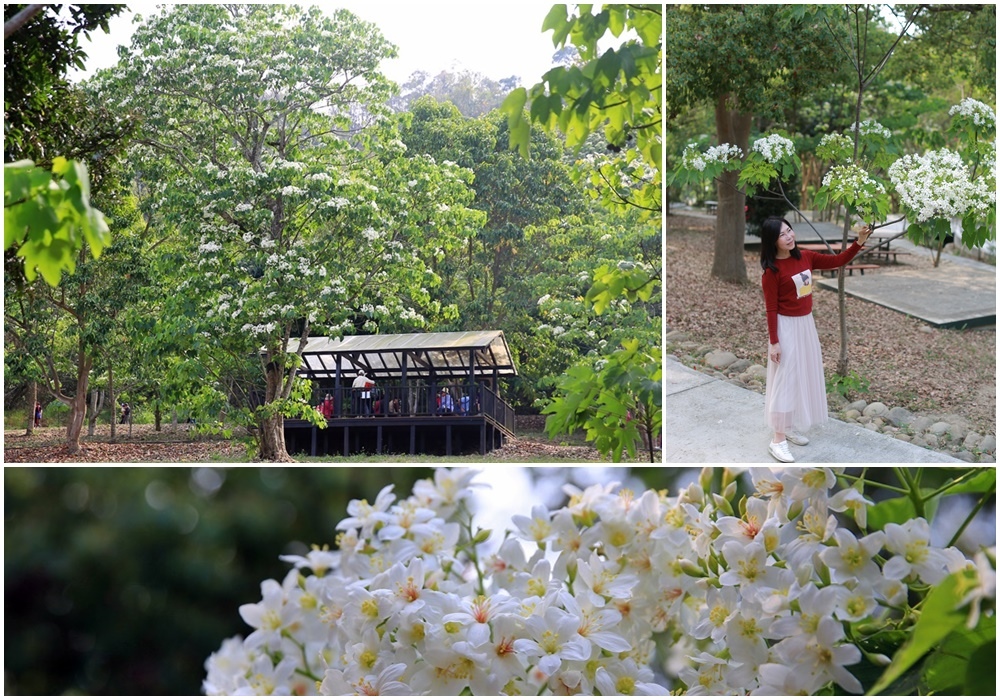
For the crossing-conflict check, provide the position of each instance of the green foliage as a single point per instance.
(617, 91)
(941, 617)
(850, 384)
(38, 101)
(616, 399)
(48, 217)
(627, 280)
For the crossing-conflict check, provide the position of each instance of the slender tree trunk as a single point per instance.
(32, 400)
(843, 365)
(77, 416)
(96, 405)
(111, 401)
(157, 416)
(78, 404)
(730, 219)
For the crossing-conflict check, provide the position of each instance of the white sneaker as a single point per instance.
(797, 439)
(780, 451)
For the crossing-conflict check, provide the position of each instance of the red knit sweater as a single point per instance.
(789, 290)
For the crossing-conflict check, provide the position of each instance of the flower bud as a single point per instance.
(727, 477)
(879, 659)
(795, 510)
(722, 504)
(729, 491)
(705, 478)
(481, 536)
(691, 569)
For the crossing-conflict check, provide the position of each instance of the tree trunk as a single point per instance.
(730, 221)
(272, 428)
(272, 440)
(32, 400)
(843, 366)
(77, 416)
(96, 405)
(111, 401)
(78, 404)
(157, 416)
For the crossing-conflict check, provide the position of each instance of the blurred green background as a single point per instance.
(123, 580)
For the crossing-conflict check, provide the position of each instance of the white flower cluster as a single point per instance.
(870, 126)
(774, 148)
(755, 602)
(980, 114)
(937, 185)
(851, 178)
(723, 153)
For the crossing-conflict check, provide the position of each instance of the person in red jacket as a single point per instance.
(795, 397)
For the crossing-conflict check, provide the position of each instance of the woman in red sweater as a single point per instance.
(795, 398)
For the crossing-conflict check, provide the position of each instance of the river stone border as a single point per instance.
(947, 433)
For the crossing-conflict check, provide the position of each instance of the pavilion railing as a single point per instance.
(428, 399)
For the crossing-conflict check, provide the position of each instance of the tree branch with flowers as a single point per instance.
(762, 581)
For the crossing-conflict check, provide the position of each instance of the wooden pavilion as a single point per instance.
(432, 393)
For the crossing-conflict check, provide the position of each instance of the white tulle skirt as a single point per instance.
(795, 397)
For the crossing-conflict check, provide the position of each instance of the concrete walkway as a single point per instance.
(711, 420)
(958, 292)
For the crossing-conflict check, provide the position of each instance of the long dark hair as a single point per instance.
(769, 232)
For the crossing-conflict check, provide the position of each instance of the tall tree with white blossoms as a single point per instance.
(266, 145)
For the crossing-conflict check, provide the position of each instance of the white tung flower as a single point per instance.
(774, 148)
(980, 113)
(871, 127)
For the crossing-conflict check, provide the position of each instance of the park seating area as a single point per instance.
(426, 393)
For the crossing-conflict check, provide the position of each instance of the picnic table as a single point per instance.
(711, 206)
(879, 251)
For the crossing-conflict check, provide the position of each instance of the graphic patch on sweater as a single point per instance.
(803, 283)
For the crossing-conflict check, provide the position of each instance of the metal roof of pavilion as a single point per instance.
(443, 355)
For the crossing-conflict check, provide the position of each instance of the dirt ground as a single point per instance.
(47, 445)
(905, 362)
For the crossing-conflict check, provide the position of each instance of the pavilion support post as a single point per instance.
(482, 438)
(378, 440)
(471, 393)
(413, 439)
(447, 440)
(347, 441)
(337, 391)
(312, 446)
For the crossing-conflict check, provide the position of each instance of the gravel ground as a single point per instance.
(905, 362)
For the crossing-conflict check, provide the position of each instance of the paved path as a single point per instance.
(959, 292)
(711, 420)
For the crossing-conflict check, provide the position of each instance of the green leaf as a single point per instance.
(938, 619)
(556, 20)
(898, 510)
(959, 660)
(520, 131)
(981, 672)
(982, 482)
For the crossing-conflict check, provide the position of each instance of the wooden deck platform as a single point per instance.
(444, 435)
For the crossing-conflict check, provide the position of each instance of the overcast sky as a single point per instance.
(497, 40)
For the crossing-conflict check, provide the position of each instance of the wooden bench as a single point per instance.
(850, 270)
(711, 207)
(879, 253)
